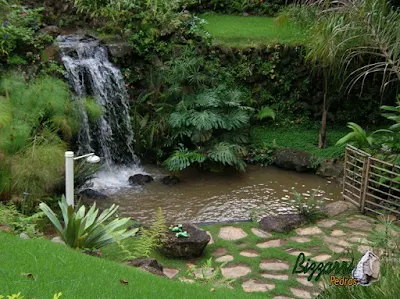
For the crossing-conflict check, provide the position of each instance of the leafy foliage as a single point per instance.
(85, 229)
(310, 208)
(19, 223)
(35, 120)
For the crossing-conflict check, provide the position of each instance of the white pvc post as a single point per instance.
(69, 178)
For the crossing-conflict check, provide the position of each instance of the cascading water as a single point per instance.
(91, 74)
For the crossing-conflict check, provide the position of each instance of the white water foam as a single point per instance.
(115, 178)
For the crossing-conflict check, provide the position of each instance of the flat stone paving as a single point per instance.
(335, 235)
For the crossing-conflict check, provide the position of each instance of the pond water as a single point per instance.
(209, 197)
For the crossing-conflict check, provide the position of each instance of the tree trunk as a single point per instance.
(322, 132)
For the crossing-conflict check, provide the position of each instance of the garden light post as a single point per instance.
(69, 173)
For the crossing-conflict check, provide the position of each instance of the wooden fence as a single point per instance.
(371, 184)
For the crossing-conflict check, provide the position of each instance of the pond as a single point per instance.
(212, 197)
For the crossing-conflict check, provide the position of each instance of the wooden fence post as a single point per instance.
(365, 181)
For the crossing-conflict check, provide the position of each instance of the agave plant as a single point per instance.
(84, 229)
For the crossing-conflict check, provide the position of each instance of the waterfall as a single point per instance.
(91, 74)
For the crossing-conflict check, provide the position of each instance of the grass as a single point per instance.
(282, 288)
(302, 139)
(56, 268)
(244, 31)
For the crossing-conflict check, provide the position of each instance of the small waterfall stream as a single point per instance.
(91, 74)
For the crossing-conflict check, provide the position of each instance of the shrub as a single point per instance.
(309, 207)
(84, 229)
(19, 223)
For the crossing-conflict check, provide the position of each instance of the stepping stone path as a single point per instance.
(336, 249)
(249, 253)
(275, 276)
(275, 265)
(219, 251)
(327, 223)
(231, 233)
(305, 282)
(224, 258)
(322, 257)
(254, 286)
(301, 293)
(235, 271)
(336, 241)
(297, 252)
(309, 231)
(338, 233)
(359, 240)
(170, 272)
(282, 297)
(359, 224)
(260, 233)
(300, 239)
(272, 243)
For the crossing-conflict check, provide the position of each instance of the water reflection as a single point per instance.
(203, 197)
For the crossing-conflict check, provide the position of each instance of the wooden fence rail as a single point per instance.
(369, 183)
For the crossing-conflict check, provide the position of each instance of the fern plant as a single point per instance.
(146, 241)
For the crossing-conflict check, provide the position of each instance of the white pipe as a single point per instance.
(69, 178)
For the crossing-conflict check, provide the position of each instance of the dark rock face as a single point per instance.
(282, 223)
(54, 31)
(148, 264)
(92, 194)
(292, 159)
(140, 179)
(119, 49)
(331, 168)
(190, 247)
(170, 180)
(338, 207)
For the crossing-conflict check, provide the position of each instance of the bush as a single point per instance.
(309, 207)
(84, 229)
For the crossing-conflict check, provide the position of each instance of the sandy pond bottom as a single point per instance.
(209, 197)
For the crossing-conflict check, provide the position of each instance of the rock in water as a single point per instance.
(192, 246)
(148, 264)
(292, 159)
(282, 223)
(140, 179)
(170, 180)
(92, 194)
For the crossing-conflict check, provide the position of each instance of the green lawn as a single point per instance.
(57, 268)
(245, 31)
(302, 139)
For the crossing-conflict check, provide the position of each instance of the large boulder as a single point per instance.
(148, 264)
(92, 194)
(331, 168)
(190, 247)
(292, 159)
(170, 180)
(140, 179)
(282, 223)
(338, 207)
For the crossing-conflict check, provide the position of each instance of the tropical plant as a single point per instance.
(147, 240)
(36, 120)
(359, 137)
(85, 229)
